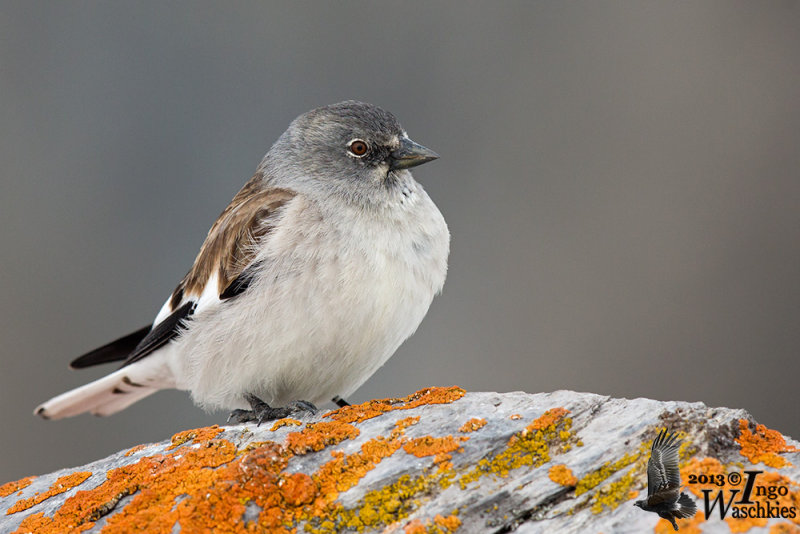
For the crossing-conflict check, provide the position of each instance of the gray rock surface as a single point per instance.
(431, 474)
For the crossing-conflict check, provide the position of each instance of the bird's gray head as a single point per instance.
(640, 504)
(350, 145)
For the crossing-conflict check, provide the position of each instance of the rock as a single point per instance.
(440, 460)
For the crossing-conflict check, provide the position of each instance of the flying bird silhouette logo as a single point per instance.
(664, 495)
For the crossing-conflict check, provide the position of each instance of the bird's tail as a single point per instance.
(104, 396)
(686, 506)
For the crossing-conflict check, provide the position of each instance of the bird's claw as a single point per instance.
(261, 412)
(240, 416)
(300, 407)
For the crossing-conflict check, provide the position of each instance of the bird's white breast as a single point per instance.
(334, 298)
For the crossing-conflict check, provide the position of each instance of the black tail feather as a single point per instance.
(686, 506)
(115, 351)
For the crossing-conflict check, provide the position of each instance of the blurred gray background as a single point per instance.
(620, 180)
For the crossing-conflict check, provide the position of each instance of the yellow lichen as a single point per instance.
(612, 495)
(386, 505)
(763, 446)
(561, 474)
(596, 477)
(530, 447)
(11, 487)
(472, 425)
(615, 493)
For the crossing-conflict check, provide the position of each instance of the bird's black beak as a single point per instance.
(410, 154)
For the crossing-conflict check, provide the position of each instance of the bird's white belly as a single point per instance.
(314, 324)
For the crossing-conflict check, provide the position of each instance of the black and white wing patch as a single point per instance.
(162, 333)
(223, 269)
(116, 351)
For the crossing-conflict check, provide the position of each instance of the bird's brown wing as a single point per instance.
(663, 472)
(227, 252)
(230, 246)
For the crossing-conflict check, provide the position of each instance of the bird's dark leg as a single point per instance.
(674, 524)
(261, 411)
(340, 402)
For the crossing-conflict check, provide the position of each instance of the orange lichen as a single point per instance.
(195, 435)
(361, 412)
(209, 486)
(430, 446)
(287, 421)
(784, 528)
(415, 527)
(451, 522)
(763, 446)
(137, 448)
(298, 489)
(744, 524)
(705, 466)
(64, 483)
(686, 526)
(443, 461)
(561, 474)
(716, 471)
(440, 525)
(10, 487)
(317, 436)
(515, 417)
(344, 472)
(769, 480)
(472, 425)
(548, 418)
(402, 424)
(156, 481)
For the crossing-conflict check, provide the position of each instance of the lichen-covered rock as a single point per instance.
(440, 460)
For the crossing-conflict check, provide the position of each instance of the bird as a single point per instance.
(664, 496)
(321, 266)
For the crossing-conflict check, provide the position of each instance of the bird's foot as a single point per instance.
(674, 524)
(340, 402)
(260, 411)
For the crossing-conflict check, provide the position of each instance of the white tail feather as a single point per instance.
(104, 396)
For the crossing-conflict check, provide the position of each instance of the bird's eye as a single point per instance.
(358, 147)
